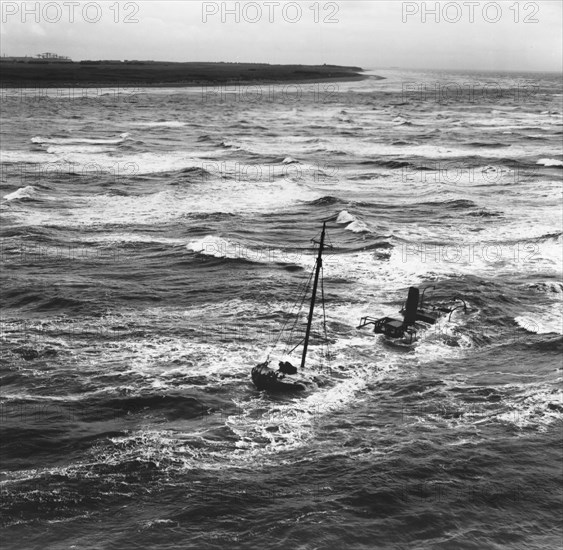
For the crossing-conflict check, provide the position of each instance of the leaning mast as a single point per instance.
(315, 284)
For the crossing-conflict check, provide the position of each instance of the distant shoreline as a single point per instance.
(164, 75)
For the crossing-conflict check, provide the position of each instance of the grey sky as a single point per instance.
(503, 35)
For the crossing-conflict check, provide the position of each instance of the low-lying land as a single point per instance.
(149, 73)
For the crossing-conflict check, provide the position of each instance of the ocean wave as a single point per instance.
(148, 358)
(550, 162)
(27, 192)
(401, 151)
(345, 217)
(162, 124)
(141, 238)
(171, 406)
(454, 204)
(550, 321)
(358, 227)
(486, 145)
(83, 162)
(40, 302)
(553, 238)
(289, 160)
(179, 202)
(402, 121)
(390, 163)
(218, 247)
(405, 153)
(351, 222)
(274, 147)
(484, 213)
(79, 149)
(534, 408)
(77, 141)
(325, 201)
(536, 136)
(27, 157)
(547, 287)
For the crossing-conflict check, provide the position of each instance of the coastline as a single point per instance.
(169, 75)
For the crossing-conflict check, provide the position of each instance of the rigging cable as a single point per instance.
(324, 315)
(305, 288)
(307, 285)
(285, 352)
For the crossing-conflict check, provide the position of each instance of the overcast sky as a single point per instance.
(503, 35)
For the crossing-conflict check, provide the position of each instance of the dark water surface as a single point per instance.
(152, 244)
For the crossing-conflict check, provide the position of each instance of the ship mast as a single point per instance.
(315, 284)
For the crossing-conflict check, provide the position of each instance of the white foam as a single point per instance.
(345, 217)
(275, 146)
(81, 160)
(289, 160)
(219, 248)
(538, 408)
(22, 193)
(212, 245)
(358, 227)
(550, 162)
(550, 321)
(72, 141)
(26, 157)
(121, 237)
(80, 149)
(372, 149)
(354, 225)
(265, 427)
(89, 160)
(173, 204)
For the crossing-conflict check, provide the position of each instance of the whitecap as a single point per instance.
(345, 217)
(162, 124)
(550, 162)
(358, 227)
(22, 193)
(551, 321)
(218, 247)
(355, 225)
(290, 160)
(85, 141)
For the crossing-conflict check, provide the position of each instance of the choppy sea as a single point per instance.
(154, 241)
